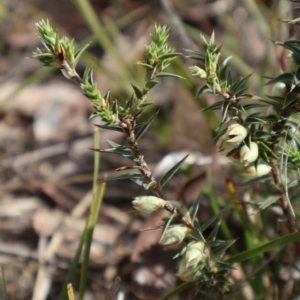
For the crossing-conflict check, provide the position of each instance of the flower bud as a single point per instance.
(198, 72)
(148, 204)
(259, 171)
(194, 253)
(248, 155)
(174, 236)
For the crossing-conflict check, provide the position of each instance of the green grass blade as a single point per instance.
(3, 283)
(182, 287)
(72, 271)
(96, 160)
(88, 236)
(269, 246)
(98, 192)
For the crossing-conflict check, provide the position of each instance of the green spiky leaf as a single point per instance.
(137, 91)
(150, 84)
(166, 74)
(146, 66)
(194, 208)
(144, 128)
(166, 226)
(171, 172)
(78, 54)
(285, 77)
(219, 252)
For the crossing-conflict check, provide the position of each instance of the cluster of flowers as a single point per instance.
(232, 145)
(194, 255)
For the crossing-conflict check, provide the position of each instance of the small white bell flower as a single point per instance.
(232, 139)
(253, 172)
(194, 253)
(148, 204)
(188, 273)
(174, 236)
(248, 155)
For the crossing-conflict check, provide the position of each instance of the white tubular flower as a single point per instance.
(253, 172)
(174, 236)
(148, 204)
(248, 155)
(279, 90)
(188, 273)
(236, 133)
(194, 253)
(233, 137)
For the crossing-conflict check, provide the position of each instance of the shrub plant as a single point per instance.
(259, 134)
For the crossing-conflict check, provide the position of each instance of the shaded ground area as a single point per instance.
(45, 139)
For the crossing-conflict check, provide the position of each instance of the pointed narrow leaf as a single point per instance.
(241, 92)
(118, 150)
(252, 105)
(131, 103)
(216, 243)
(285, 77)
(141, 110)
(219, 252)
(214, 232)
(203, 90)
(264, 147)
(298, 73)
(87, 73)
(168, 56)
(225, 107)
(238, 83)
(130, 176)
(290, 98)
(211, 220)
(110, 127)
(144, 128)
(223, 68)
(79, 53)
(271, 118)
(150, 84)
(277, 106)
(229, 79)
(171, 172)
(140, 181)
(214, 106)
(146, 66)
(294, 183)
(266, 203)
(291, 47)
(107, 96)
(137, 91)
(165, 74)
(166, 226)
(194, 208)
(113, 144)
(197, 235)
